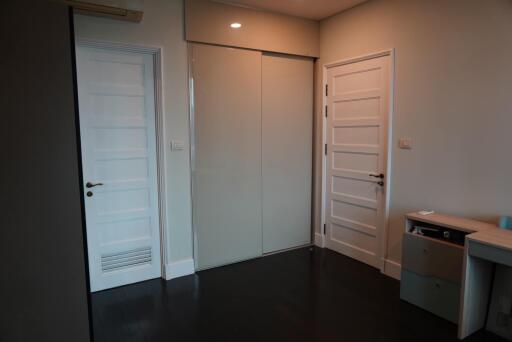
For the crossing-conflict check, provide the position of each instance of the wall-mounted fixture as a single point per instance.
(235, 25)
(82, 7)
(405, 143)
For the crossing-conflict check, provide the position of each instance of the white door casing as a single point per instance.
(118, 139)
(358, 111)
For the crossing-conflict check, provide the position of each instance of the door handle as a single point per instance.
(92, 185)
(380, 175)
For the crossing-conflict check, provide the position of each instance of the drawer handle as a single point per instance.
(438, 285)
(425, 250)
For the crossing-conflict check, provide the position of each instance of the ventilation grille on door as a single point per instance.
(118, 261)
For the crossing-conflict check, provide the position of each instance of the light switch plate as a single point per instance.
(177, 145)
(405, 143)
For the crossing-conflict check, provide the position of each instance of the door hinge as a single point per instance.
(326, 111)
(325, 228)
(325, 149)
(326, 90)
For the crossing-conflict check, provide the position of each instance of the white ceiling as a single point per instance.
(311, 9)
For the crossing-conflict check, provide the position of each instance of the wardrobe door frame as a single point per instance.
(193, 154)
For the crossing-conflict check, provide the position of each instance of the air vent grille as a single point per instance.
(132, 258)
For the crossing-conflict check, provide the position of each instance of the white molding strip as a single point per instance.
(179, 269)
(392, 269)
(319, 240)
(104, 44)
(361, 58)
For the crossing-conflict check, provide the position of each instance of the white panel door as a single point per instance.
(227, 154)
(357, 115)
(287, 126)
(117, 129)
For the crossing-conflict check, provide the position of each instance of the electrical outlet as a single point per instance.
(405, 143)
(177, 145)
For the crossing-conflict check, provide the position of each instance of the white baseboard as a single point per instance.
(392, 269)
(179, 269)
(319, 240)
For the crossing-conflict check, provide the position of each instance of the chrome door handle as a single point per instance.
(92, 185)
(381, 175)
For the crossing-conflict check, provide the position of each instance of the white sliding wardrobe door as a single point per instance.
(287, 118)
(117, 130)
(227, 154)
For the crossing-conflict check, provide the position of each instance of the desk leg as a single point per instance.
(476, 286)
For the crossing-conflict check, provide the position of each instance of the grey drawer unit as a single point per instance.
(432, 266)
(429, 257)
(439, 296)
(431, 274)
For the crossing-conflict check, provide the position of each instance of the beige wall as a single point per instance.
(209, 22)
(453, 98)
(162, 26)
(452, 87)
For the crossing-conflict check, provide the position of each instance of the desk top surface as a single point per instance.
(499, 238)
(452, 222)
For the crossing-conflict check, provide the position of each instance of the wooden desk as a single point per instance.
(432, 267)
(452, 222)
(482, 250)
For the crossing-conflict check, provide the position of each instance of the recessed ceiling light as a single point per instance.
(235, 25)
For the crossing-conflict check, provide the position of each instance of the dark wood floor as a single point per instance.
(302, 295)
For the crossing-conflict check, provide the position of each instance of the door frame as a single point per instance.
(386, 266)
(156, 53)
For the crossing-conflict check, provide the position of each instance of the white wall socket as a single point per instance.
(177, 145)
(405, 143)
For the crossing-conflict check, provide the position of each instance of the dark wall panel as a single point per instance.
(43, 292)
